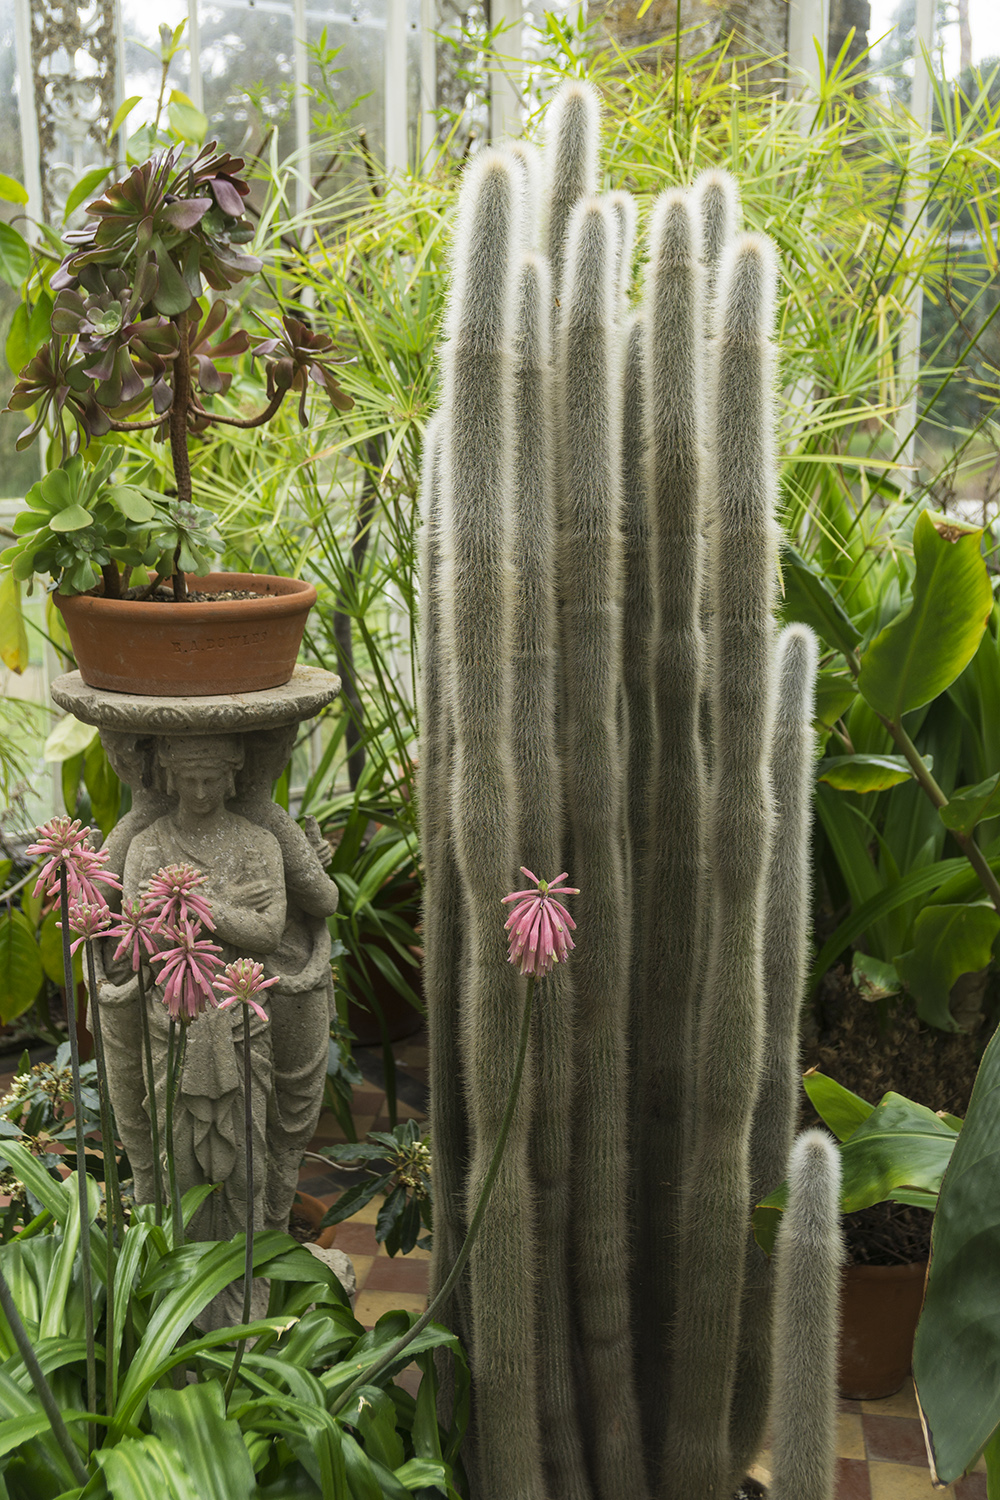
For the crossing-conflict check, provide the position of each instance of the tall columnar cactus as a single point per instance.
(604, 690)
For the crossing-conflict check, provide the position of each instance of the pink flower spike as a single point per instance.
(240, 981)
(188, 971)
(133, 929)
(174, 890)
(539, 926)
(63, 842)
(88, 920)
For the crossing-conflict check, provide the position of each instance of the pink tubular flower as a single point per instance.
(88, 920)
(539, 926)
(174, 890)
(241, 980)
(188, 971)
(63, 842)
(133, 929)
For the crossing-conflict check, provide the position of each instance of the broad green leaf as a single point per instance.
(874, 977)
(422, 1473)
(122, 113)
(991, 1457)
(70, 737)
(103, 785)
(193, 1421)
(901, 1148)
(836, 1106)
(863, 773)
(949, 941)
(971, 805)
(809, 599)
(73, 518)
(189, 122)
(21, 971)
(15, 257)
(12, 191)
(14, 652)
(924, 649)
(39, 324)
(131, 502)
(835, 692)
(50, 951)
(146, 1469)
(910, 887)
(956, 1354)
(16, 348)
(86, 186)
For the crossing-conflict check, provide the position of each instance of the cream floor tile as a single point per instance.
(761, 1470)
(902, 1404)
(850, 1436)
(903, 1482)
(371, 1306)
(368, 1214)
(362, 1265)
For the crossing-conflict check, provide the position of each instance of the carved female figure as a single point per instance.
(245, 884)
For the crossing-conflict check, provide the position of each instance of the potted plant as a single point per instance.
(130, 331)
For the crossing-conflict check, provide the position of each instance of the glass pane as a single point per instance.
(347, 67)
(248, 75)
(18, 471)
(141, 24)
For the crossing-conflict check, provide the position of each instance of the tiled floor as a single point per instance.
(881, 1454)
(880, 1448)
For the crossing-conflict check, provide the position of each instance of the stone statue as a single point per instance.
(302, 1002)
(201, 771)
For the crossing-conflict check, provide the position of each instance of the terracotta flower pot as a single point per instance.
(880, 1306)
(191, 650)
(312, 1210)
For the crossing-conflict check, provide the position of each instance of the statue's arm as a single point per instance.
(307, 881)
(250, 915)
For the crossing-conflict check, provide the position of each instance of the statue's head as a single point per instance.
(268, 752)
(201, 769)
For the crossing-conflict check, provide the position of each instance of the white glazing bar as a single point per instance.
(396, 141)
(122, 140)
(303, 186)
(428, 81)
(914, 208)
(808, 23)
(30, 148)
(505, 69)
(195, 90)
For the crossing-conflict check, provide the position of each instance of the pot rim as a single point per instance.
(291, 598)
(908, 1270)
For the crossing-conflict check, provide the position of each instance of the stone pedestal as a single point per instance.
(201, 772)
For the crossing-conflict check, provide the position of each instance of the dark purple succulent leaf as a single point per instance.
(209, 377)
(182, 214)
(191, 269)
(226, 196)
(62, 278)
(104, 369)
(163, 397)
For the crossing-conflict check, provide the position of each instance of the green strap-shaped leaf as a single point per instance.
(948, 941)
(923, 650)
(193, 1421)
(956, 1356)
(810, 601)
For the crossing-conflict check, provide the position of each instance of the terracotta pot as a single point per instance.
(191, 650)
(880, 1306)
(313, 1210)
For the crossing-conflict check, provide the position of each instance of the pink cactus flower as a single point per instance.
(240, 981)
(88, 920)
(63, 842)
(174, 890)
(133, 930)
(539, 926)
(188, 971)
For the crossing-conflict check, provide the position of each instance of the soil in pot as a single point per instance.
(306, 1217)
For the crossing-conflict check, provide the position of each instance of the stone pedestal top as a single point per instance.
(310, 689)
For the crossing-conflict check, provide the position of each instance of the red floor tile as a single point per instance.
(357, 1239)
(397, 1274)
(895, 1440)
(852, 1482)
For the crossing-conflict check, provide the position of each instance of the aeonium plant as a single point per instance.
(132, 329)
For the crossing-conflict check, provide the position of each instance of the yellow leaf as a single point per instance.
(13, 635)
